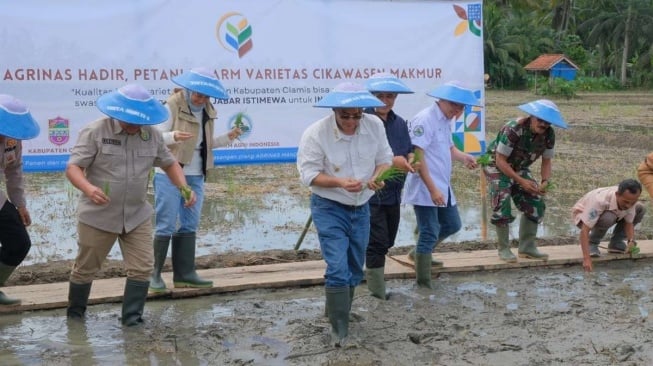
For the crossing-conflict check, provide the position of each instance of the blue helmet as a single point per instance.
(453, 92)
(15, 119)
(349, 95)
(386, 83)
(201, 80)
(545, 110)
(133, 104)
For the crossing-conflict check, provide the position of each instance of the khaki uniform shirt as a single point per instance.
(120, 164)
(11, 167)
(594, 203)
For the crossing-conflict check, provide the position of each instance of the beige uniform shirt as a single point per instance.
(11, 166)
(120, 164)
(594, 203)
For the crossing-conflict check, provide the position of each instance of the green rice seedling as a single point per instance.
(484, 160)
(106, 188)
(239, 122)
(185, 192)
(417, 156)
(549, 186)
(392, 173)
(633, 249)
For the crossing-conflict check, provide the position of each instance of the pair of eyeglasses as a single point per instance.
(355, 117)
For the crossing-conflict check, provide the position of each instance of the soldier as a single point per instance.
(517, 146)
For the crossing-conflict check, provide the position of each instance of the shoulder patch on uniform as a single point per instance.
(145, 135)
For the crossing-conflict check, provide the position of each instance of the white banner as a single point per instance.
(276, 59)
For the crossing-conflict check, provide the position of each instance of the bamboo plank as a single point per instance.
(293, 274)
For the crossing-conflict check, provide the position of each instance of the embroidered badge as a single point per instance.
(418, 130)
(145, 135)
(11, 143)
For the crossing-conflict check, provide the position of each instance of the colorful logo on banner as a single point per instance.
(235, 33)
(468, 133)
(471, 19)
(58, 130)
(242, 121)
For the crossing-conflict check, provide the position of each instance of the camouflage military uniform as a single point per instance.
(523, 148)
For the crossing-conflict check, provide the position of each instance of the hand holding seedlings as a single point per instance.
(415, 160)
(97, 195)
(188, 195)
(546, 186)
(632, 249)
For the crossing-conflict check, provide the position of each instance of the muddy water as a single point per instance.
(513, 317)
(274, 221)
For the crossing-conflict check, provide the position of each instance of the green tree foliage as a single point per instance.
(607, 39)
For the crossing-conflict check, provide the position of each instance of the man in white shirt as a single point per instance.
(339, 158)
(430, 191)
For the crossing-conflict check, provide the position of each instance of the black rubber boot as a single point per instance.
(78, 299)
(183, 262)
(133, 302)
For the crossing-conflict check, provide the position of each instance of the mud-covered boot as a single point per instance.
(423, 270)
(376, 282)
(161, 244)
(183, 262)
(527, 234)
(503, 242)
(5, 272)
(339, 303)
(434, 262)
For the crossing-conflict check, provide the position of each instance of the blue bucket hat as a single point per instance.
(453, 92)
(546, 110)
(133, 104)
(15, 120)
(385, 82)
(201, 80)
(349, 95)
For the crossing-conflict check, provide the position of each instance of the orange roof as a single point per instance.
(547, 61)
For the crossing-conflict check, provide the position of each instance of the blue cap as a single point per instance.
(349, 95)
(133, 104)
(546, 110)
(203, 81)
(453, 92)
(385, 82)
(15, 120)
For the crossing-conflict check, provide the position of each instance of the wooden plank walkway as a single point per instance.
(55, 295)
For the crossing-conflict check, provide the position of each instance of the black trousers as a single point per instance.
(14, 239)
(384, 223)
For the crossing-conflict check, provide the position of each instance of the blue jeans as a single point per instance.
(434, 225)
(343, 233)
(169, 206)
